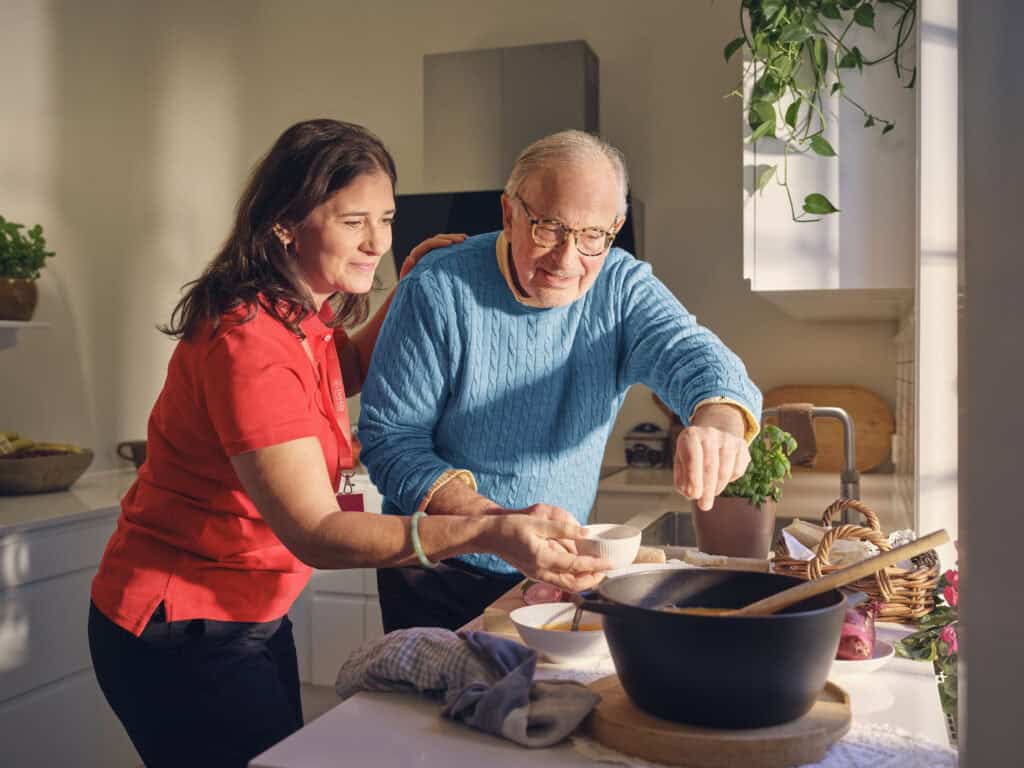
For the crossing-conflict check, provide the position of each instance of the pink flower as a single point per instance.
(951, 595)
(948, 636)
(953, 578)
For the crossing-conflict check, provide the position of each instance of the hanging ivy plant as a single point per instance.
(798, 52)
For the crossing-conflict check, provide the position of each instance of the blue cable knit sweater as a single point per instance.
(465, 377)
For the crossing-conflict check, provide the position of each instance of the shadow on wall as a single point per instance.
(138, 219)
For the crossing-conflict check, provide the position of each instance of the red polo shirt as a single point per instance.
(188, 534)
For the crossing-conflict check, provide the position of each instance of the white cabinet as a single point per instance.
(859, 263)
(344, 614)
(51, 709)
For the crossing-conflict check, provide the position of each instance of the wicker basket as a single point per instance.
(903, 594)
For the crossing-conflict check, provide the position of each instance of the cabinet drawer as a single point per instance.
(339, 626)
(66, 723)
(43, 632)
(41, 554)
(351, 581)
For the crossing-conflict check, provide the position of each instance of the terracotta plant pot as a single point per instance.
(18, 298)
(734, 527)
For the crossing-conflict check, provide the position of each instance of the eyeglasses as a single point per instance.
(549, 233)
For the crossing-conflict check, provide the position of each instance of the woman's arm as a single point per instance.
(354, 351)
(292, 491)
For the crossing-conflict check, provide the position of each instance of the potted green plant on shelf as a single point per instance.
(798, 54)
(22, 255)
(741, 522)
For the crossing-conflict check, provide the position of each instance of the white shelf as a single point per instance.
(9, 331)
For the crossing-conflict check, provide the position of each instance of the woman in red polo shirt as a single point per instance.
(236, 502)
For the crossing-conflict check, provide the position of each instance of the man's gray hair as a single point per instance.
(566, 147)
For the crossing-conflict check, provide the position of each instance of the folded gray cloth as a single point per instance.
(485, 681)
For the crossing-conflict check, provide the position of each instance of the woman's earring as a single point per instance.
(282, 235)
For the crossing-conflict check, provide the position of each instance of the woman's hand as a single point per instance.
(543, 549)
(421, 250)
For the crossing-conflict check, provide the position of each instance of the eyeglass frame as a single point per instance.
(609, 235)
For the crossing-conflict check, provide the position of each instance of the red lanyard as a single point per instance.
(332, 390)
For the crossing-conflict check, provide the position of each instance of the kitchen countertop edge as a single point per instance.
(95, 494)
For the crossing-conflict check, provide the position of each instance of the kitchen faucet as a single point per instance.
(849, 478)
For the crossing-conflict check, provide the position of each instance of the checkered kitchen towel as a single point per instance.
(485, 682)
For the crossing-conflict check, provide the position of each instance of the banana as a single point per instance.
(62, 447)
(10, 447)
(8, 435)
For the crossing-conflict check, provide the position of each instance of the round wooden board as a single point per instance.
(873, 423)
(618, 724)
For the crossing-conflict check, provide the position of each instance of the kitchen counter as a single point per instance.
(805, 494)
(95, 493)
(383, 730)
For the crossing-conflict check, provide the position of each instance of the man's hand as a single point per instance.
(421, 250)
(710, 453)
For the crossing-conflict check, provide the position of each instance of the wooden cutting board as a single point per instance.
(496, 618)
(873, 423)
(618, 724)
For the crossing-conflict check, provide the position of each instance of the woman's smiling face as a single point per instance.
(340, 243)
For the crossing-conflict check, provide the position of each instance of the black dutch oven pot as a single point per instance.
(717, 671)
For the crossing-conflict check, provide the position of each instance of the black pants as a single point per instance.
(447, 596)
(199, 693)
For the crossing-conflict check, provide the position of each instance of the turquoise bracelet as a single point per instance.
(416, 546)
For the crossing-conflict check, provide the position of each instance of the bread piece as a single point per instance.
(650, 555)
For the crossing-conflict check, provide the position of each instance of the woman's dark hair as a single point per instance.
(308, 163)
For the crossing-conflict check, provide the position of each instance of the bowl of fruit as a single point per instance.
(27, 466)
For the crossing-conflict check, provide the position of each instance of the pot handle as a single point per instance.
(590, 600)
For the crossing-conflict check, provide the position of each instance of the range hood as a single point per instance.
(481, 108)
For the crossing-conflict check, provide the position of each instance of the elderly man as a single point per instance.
(504, 360)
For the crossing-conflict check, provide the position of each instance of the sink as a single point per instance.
(675, 529)
(643, 476)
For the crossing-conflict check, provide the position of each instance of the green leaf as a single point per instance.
(794, 33)
(818, 204)
(767, 89)
(865, 16)
(888, 128)
(764, 129)
(733, 46)
(869, 122)
(836, 86)
(793, 113)
(772, 8)
(830, 11)
(820, 146)
(764, 177)
(821, 54)
(761, 112)
(762, 45)
(851, 59)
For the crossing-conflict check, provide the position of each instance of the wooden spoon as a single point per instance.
(840, 578)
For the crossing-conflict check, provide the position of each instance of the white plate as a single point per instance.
(846, 667)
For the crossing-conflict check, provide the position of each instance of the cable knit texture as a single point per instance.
(465, 377)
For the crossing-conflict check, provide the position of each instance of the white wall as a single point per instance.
(127, 130)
